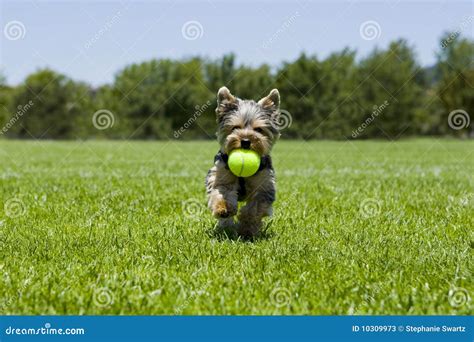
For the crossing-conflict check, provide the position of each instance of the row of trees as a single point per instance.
(384, 95)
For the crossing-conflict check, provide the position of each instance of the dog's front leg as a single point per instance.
(222, 188)
(259, 202)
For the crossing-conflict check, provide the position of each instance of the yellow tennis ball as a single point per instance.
(243, 163)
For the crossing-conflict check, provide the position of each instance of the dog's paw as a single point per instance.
(247, 234)
(222, 209)
(248, 229)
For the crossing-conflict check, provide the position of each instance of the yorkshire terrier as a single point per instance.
(250, 125)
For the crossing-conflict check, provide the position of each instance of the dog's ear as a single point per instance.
(271, 101)
(226, 102)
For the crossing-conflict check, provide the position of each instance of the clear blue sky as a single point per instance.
(92, 40)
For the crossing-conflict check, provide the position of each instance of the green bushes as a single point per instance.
(387, 94)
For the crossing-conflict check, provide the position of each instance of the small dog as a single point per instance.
(249, 125)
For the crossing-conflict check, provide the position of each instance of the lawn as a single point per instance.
(122, 228)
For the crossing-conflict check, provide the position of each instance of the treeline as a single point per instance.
(387, 94)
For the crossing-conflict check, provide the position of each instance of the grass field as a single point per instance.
(122, 228)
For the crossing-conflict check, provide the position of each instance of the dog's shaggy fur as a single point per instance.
(252, 125)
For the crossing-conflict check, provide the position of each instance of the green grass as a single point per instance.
(358, 228)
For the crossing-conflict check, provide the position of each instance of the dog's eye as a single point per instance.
(235, 127)
(259, 130)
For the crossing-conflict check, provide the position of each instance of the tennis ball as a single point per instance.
(243, 163)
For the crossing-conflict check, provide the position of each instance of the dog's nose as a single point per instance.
(245, 143)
